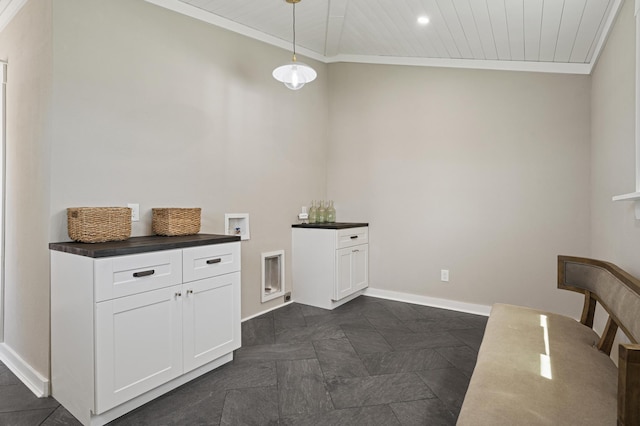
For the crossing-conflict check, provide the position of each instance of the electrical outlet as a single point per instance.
(444, 275)
(287, 296)
(135, 212)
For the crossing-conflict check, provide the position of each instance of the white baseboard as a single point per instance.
(36, 382)
(267, 311)
(454, 305)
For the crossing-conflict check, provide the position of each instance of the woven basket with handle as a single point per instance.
(98, 224)
(176, 221)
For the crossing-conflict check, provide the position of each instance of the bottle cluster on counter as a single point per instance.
(322, 212)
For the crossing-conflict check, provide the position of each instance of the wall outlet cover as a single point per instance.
(135, 212)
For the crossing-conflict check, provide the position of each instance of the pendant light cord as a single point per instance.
(294, 31)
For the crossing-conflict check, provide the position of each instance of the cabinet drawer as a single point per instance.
(210, 261)
(352, 237)
(137, 273)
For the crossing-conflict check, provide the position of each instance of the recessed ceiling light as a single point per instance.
(423, 20)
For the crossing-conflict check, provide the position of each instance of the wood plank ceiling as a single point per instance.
(533, 35)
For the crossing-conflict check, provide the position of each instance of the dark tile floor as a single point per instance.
(368, 362)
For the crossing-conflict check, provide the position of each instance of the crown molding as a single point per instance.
(227, 24)
(10, 11)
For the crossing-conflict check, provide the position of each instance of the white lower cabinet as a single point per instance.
(330, 266)
(182, 320)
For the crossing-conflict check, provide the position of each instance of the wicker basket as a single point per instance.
(176, 221)
(98, 224)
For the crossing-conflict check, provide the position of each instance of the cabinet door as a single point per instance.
(344, 282)
(211, 319)
(352, 270)
(138, 344)
(360, 266)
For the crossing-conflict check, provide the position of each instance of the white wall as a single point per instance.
(155, 108)
(26, 43)
(615, 232)
(484, 173)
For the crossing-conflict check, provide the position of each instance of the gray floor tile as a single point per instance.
(308, 334)
(19, 397)
(258, 332)
(361, 416)
(25, 418)
(238, 375)
(431, 312)
(358, 323)
(183, 406)
(275, 352)
(462, 357)
(338, 359)
(367, 341)
(435, 339)
(252, 406)
(430, 325)
(476, 321)
(302, 388)
(334, 319)
(402, 311)
(377, 311)
(377, 390)
(389, 326)
(289, 316)
(60, 417)
(328, 367)
(309, 311)
(449, 385)
(7, 377)
(430, 412)
(403, 361)
(470, 337)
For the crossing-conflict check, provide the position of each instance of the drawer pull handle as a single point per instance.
(355, 251)
(212, 261)
(144, 273)
(354, 237)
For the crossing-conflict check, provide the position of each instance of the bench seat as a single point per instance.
(540, 368)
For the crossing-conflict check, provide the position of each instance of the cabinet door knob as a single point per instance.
(144, 273)
(189, 292)
(212, 261)
(178, 294)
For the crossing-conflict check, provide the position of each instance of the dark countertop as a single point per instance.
(335, 225)
(136, 245)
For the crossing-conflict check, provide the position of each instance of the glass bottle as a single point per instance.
(322, 213)
(313, 213)
(331, 213)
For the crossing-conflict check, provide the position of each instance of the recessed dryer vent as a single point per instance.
(272, 275)
(237, 224)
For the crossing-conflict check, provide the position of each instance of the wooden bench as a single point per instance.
(540, 368)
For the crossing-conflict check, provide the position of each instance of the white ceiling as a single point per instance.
(530, 35)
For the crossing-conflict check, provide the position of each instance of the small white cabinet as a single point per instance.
(330, 265)
(125, 329)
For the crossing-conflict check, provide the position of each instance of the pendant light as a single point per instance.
(295, 74)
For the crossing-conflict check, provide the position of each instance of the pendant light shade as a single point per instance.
(295, 74)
